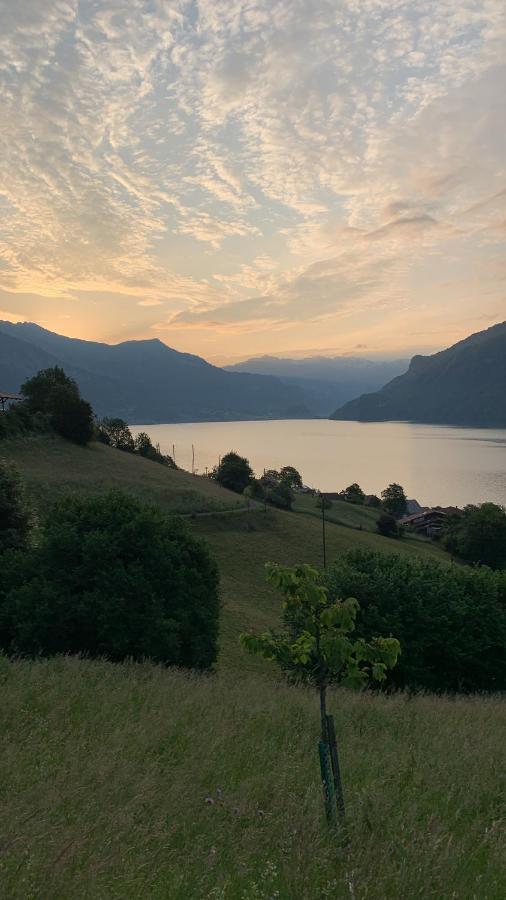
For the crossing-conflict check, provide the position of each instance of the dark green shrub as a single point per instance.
(450, 620)
(15, 518)
(112, 577)
(387, 526)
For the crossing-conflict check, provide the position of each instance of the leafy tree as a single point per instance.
(71, 417)
(112, 577)
(373, 501)
(144, 447)
(353, 494)
(291, 477)
(387, 526)
(37, 391)
(234, 472)
(116, 433)
(318, 647)
(15, 518)
(53, 394)
(394, 500)
(450, 620)
(277, 490)
(479, 536)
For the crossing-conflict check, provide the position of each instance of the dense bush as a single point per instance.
(450, 620)
(111, 577)
(15, 516)
(387, 525)
(52, 395)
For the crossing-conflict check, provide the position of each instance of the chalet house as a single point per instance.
(429, 521)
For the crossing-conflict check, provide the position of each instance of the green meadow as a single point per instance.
(135, 781)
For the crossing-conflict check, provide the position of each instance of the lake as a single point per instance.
(435, 464)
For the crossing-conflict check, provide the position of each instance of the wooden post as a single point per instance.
(327, 783)
(193, 460)
(334, 756)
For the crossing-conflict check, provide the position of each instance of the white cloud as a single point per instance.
(349, 144)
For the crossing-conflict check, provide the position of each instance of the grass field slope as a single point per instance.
(130, 781)
(52, 466)
(134, 781)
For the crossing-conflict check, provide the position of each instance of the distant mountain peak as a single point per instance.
(462, 385)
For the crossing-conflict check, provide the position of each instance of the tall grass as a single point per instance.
(131, 781)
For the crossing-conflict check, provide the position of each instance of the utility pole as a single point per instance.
(193, 460)
(322, 499)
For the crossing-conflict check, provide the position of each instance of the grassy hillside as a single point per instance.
(130, 781)
(241, 543)
(52, 466)
(105, 771)
(354, 516)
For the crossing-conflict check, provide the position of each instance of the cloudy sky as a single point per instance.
(240, 177)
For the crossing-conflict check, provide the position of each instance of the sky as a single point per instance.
(247, 177)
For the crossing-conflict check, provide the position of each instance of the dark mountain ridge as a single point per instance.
(463, 385)
(145, 381)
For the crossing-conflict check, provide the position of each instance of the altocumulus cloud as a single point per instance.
(225, 165)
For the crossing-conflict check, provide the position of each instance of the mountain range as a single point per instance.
(145, 381)
(463, 385)
(325, 381)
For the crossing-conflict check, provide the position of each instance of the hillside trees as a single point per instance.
(450, 620)
(111, 577)
(52, 394)
(479, 535)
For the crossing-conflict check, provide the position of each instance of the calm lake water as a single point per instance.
(435, 464)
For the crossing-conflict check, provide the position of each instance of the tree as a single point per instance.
(353, 494)
(71, 416)
(37, 391)
(317, 647)
(479, 536)
(277, 490)
(373, 501)
(291, 477)
(234, 472)
(387, 526)
(394, 500)
(143, 447)
(51, 393)
(111, 577)
(15, 518)
(254, 490)
(117, 434)
(450, 620)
